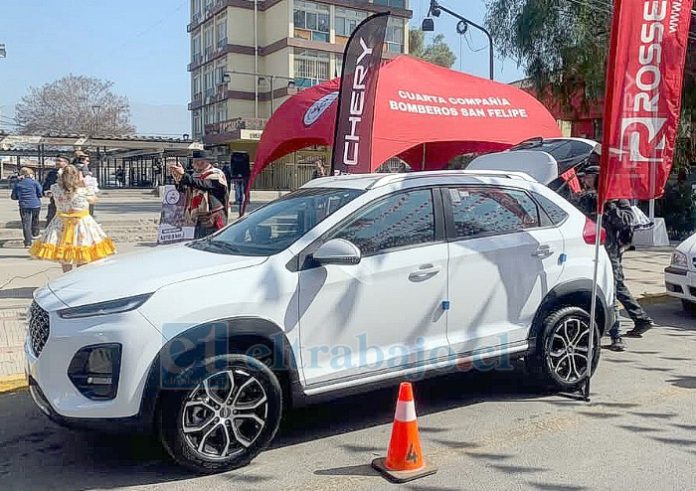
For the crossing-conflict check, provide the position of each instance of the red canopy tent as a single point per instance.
(420, 109)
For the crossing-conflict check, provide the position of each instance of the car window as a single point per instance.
(555, 213)
(277, 225)
(483, 211)
(399, 220)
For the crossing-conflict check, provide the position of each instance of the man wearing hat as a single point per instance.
(207, 194)
(617, 220)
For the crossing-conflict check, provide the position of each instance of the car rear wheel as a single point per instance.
(561, 356)
(225, 420)
(689, 307)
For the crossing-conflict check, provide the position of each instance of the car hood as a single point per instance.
(688, 246)
(141, 272)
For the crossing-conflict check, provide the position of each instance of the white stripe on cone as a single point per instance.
(405, 411)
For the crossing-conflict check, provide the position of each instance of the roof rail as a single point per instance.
(399, 177)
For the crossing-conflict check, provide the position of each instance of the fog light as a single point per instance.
(94, 371)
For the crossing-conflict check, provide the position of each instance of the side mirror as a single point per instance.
(337, 251)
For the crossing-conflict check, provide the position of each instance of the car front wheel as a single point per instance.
(225, 420)
(561, 357)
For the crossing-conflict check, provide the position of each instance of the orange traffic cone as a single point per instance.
(404, 461)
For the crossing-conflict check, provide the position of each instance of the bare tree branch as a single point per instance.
(75, 104)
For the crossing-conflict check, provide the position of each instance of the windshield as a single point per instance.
(277, 225)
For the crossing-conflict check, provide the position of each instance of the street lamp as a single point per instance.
(436, 9)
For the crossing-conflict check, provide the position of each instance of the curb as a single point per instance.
(12, 383)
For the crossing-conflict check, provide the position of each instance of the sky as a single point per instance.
(143, 47)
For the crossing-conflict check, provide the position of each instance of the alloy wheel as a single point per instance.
(224, 414)
(567, 354)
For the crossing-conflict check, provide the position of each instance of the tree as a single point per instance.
(437, 52)
(74, 104)
(563, 47)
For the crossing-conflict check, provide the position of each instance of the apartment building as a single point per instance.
(248, 56)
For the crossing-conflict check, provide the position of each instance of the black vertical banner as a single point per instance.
(352, 148)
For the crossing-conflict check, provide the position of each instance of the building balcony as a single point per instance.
(234, 129)
(217, 7)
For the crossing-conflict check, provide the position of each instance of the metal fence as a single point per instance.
(292, 171)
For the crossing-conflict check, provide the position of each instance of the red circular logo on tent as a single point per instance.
(318, 108)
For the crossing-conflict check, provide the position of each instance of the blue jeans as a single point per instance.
(239, 190)
(30, 223)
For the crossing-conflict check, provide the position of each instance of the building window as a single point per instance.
(222, 112)
(311, 67)
(197, 126)
(395, 35)
(311, 21)
(401, 4)
(196, 49)
(197, 87)
(221, 30)
(196, 11)
(338, 64)
(347, 20)
(208, 81)
(220, 73)
(208, 39)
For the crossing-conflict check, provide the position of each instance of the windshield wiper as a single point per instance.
(224, 246)
(208, 244)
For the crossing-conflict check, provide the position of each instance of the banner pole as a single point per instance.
(593, 308)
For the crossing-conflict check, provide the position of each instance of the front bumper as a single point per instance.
(680, 283)
(55, 393)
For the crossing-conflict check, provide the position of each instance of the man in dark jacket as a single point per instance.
(51, 178)
(617, 220)
(28, 192)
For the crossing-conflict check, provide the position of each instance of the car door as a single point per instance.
(504, 257)
(385, 312)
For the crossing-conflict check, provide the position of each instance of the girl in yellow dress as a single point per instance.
(73, 238)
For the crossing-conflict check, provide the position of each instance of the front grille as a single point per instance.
(39, 328)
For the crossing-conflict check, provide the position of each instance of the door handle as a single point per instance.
(423, 273)
(543, 251)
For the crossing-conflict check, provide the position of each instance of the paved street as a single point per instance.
(485, 431)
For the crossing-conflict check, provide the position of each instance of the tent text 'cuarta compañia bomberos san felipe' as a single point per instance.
(420, 108)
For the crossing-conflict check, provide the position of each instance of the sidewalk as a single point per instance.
(20, 276)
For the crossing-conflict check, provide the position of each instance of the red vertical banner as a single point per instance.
(352, 149)
(645, 73)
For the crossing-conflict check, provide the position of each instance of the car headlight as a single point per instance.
(105, 308)
(680, 260)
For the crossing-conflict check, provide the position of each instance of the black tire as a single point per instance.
(689, 307)
(207, 406)
(541, 363)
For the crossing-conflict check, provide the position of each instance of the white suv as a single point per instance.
(349, 283)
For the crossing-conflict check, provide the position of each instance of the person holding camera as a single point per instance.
(206, 192)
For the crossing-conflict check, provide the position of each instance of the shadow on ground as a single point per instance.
(35, 454)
